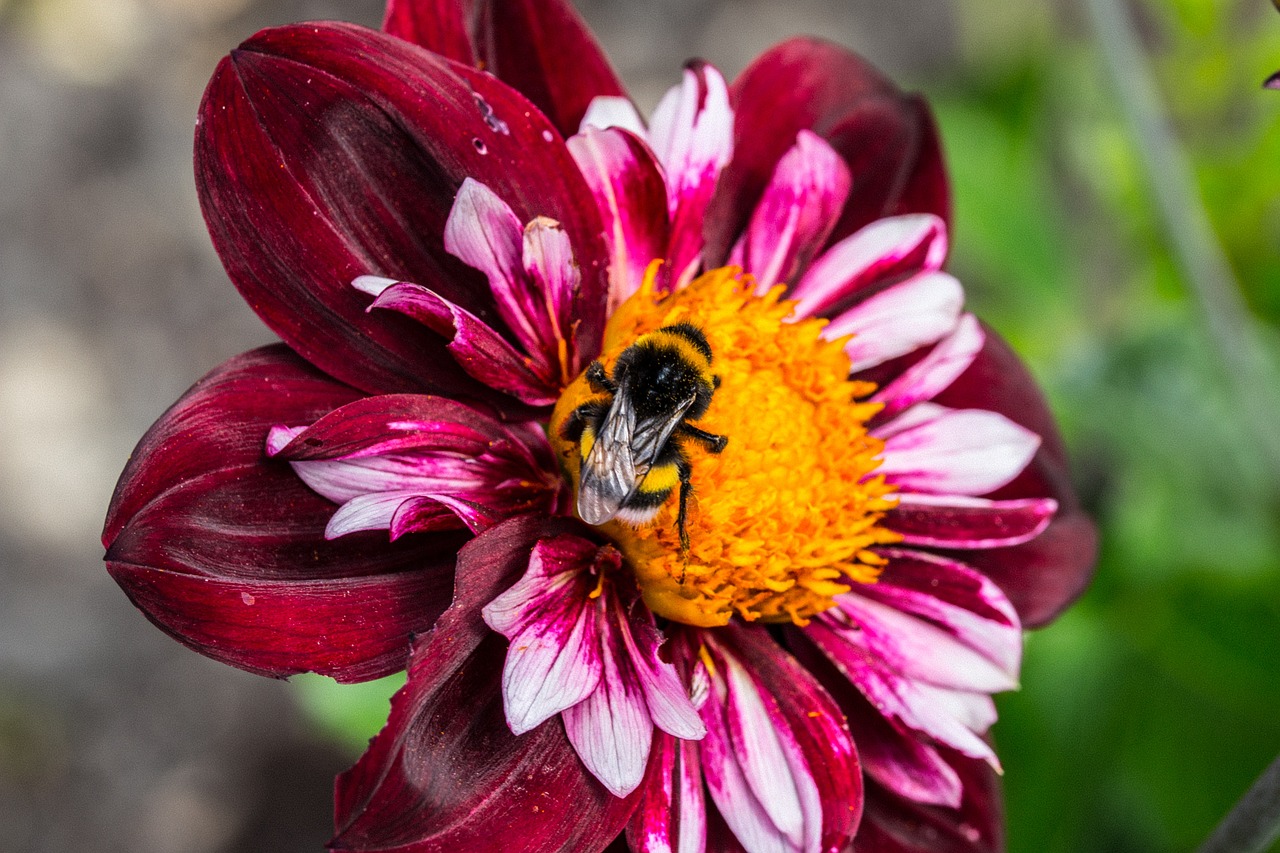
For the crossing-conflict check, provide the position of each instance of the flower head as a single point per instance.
(825, 501)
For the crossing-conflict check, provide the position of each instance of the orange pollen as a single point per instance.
(782, 520)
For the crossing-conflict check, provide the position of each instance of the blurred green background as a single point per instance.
(1146, 710)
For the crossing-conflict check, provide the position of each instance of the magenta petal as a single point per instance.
(632, 196)
(800, 206)
(545, 50)
(692, 136)
(884, 250)
(446, 774)
(441, 26)
(957, 452)
(957, 522)
(896, 824)
(200, 516)
(327, 151)
(671, 816)
(816, 724)
(934, 373)
(900, 319)
(886, 138)
(1043, 576)
(476, 347)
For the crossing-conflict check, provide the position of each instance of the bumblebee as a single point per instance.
(630, 442)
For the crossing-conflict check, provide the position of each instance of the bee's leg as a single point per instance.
(713, 443)
(599, 380)
(686, 488)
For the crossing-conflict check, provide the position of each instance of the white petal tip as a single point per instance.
(372, 284)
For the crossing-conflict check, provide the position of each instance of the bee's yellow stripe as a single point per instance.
(587, 441)
(661, 479)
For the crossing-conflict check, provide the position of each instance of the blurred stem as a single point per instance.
(1170, 178)
(1254, 823)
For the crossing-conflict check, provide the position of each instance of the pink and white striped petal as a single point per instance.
(953, 521)
(548, 263)
(691, 134)
(934, 373)
(957, 452)
(630, 192)
(474, 345)
(483, 232)
(671, 816)
(795, 216)
(887, 248)
(581, 647)
(554, 661)
(754, 766)
(613, 111)
(915, 313)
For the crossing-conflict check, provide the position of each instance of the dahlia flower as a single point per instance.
(459, 226)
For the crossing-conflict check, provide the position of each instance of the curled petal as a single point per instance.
(360, 140)
(966, 452)
(799, 208)
(607, 112)
(225, 549)
(446, 773)
(692, 135)
(475, 346)
(631, 194)
(886, 249)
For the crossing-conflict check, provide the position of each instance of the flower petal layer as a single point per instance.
(441, 26)
(447, 774)
(327, 151)
(225, 549)
(671, 816)
(1044, 575)
(528, 45)
(886, 138)
(959, 522)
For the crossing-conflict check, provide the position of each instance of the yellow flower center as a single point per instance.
(781, 521)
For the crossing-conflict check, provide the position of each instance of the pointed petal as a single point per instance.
(887, 139)
(959, 522)
(671, 815)
(1046, 574)
(881, 251)
(476, 347)
(225, 550)
(526, 43)
(934, 373)
(692, 136)
(548, 262)
(966, 452)
(665, 696)
(446, 773)
(899, 320)
(794, 218)
(441, 26)
(359, 140)
(611, 729)
(631, 194)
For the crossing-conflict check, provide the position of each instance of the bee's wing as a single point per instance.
(621, 456)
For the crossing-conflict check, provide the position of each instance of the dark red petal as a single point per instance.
(329, 151)
(893, 824)
(225, 549)
(544, 49)
(886, 137)
(817, 723)
(447, 774)
(1043, 576)
(441, 26)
